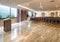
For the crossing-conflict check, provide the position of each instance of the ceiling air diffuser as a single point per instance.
(52, 0)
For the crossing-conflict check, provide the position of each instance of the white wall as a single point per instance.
(47, 13)
(59, 13)
(38, 14)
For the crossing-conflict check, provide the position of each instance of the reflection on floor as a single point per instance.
(32, 32)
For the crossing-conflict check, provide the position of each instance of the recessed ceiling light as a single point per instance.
(18, 5)
(57, 6)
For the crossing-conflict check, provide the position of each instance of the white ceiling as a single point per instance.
(33, 4)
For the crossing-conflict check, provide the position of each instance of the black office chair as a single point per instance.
(52, 21)
(57, 21)
(49, 20)
(46, 20)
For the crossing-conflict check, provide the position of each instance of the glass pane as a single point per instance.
(4, 11)
(13, 12)
(14, 15)
(29, 13)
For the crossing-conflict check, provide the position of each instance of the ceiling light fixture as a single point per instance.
(41, 7)
(26, 8)
(57, 6)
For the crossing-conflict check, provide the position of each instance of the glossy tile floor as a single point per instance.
(32, 32)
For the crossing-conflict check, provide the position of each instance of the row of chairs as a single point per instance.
(35, 19)
(49, 20)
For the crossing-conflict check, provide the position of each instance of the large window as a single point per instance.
(30, 14)
(7, 12)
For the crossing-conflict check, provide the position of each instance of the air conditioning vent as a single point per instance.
(52, 0)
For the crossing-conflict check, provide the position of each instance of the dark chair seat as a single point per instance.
(57, 21)
(52, 21)
(46, 20)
